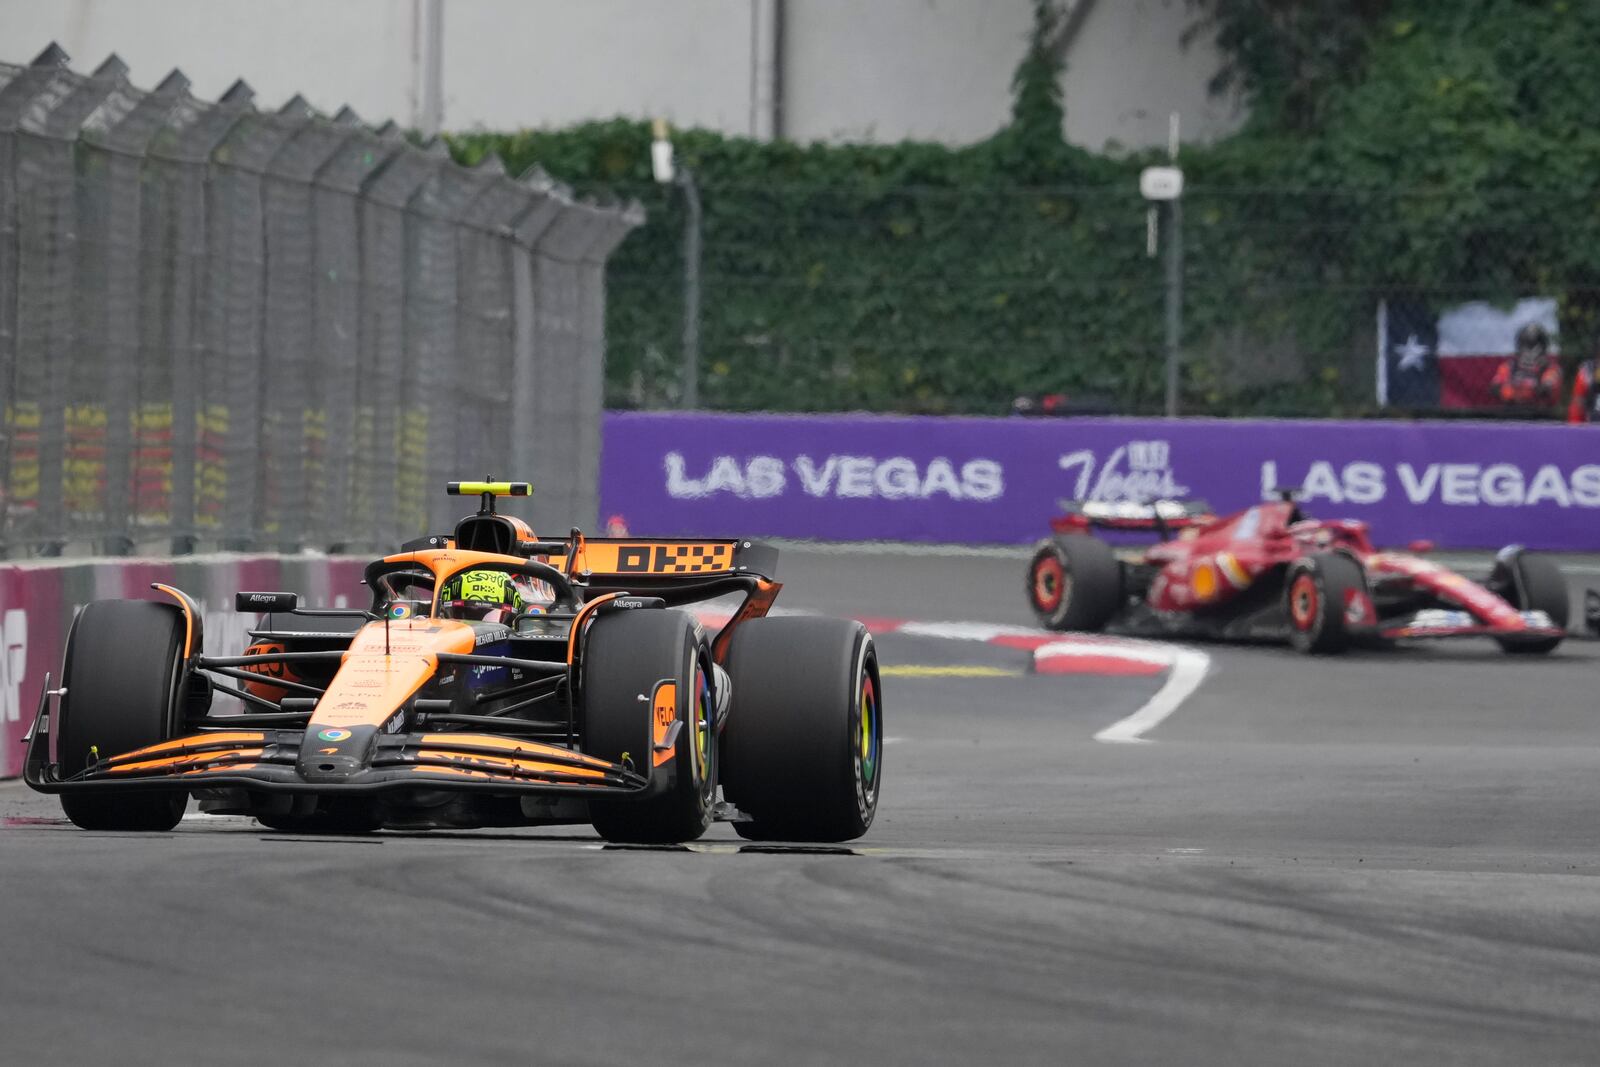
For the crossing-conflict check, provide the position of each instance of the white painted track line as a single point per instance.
(1189, 669)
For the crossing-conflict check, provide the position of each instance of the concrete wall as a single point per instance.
(1126, 72)
(883, 70)
(933, 70)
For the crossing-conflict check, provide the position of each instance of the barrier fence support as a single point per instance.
(242, 328)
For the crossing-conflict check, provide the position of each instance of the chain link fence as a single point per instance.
(251, 329)
(885, 296)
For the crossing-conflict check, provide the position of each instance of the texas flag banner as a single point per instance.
(1447, 359)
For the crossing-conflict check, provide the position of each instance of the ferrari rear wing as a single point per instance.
(1162, 517)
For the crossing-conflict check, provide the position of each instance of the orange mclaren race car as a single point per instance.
(496, 679)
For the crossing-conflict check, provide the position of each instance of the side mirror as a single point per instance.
(1420, 546)
(1591, 611)
(265, 602)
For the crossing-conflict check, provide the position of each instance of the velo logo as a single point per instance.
(1136, 472)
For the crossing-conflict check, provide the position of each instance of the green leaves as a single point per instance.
(1445, 148)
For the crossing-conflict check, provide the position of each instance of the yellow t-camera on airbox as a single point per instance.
(489, 488)
(486, 491)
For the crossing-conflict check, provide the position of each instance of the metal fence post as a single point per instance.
(302, 270)
(1174, 301)
(393, 446)
(559, 272)
(137, 388)
(614, 225)
(491, 301)
(440, 399)
(692, 224)
(51, 125)
(194, 329)
(347, 286)
(8, 295)
(239, 290)
(530, 390)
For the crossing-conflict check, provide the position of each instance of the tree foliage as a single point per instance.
(1442, 149)
(1287, 56)
(1037, 111)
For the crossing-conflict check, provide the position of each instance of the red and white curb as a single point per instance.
(1057, 653)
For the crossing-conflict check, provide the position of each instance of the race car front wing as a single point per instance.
(273, 761)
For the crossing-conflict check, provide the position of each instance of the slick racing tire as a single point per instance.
(1532, 583)
(627, 655)
(1315, 592)
(803, 748)
(123, 677)
(1075, 583)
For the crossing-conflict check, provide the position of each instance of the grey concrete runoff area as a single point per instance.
(1378, 858)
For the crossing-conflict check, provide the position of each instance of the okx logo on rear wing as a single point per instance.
(672, 558)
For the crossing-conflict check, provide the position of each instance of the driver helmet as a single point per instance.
(480, 595)
(1533, 342)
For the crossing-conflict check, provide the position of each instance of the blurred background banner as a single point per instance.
(998, 481)
(230, 327)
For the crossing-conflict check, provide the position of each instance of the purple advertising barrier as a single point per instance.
(997, 481)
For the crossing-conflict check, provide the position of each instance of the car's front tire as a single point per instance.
(123, 678)
(628, 653)
(1532, 583)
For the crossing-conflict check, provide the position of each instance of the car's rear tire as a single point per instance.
(803, 748)
(124, 680)
(1075, 583)
(1532, 583)
(627, 654)
(1315, 592)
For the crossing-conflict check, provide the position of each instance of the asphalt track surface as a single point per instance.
(1379, 858)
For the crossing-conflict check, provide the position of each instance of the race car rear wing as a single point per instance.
(630, 558)
(1162, 517)
(679, 571)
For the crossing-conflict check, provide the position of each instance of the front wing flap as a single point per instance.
(267, 760)
(1447, 622)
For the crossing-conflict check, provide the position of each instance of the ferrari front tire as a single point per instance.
(123, 675)
(1075, 583)
(1533, 583)
(803, 748)
(1316, 592)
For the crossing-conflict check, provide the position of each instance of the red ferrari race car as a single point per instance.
(1270, 572)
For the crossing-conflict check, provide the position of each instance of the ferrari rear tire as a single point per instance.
(1315, 592)
(123, 677)
(803, 748)
(1533, 583)
(1075, 583)
(628, 654)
